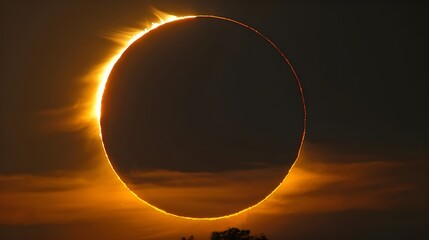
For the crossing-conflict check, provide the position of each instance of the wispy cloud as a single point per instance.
(205, 194)
(315, 186)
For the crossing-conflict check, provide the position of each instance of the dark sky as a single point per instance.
(364, 169)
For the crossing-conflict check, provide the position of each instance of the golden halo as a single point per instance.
(109, 66)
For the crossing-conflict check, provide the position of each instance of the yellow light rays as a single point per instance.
(164, 18)
(104, 72)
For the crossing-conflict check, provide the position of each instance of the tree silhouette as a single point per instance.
(236, 234)
(232, 234)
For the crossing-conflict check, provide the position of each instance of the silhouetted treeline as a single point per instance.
(232, 234)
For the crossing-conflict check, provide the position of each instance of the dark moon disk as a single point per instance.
(202, 117)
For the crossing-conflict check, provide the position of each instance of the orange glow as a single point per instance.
(100, 76)
(319, 183)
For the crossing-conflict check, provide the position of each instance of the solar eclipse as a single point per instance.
(232, 109)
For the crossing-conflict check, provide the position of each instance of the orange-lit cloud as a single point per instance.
(205, 194)
(315, 186)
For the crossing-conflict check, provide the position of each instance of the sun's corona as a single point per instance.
(111, 63)
(108, 66)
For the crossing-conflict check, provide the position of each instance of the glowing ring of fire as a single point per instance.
(108, 68)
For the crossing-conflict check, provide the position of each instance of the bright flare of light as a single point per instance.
(125, 40)
(163, 18)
